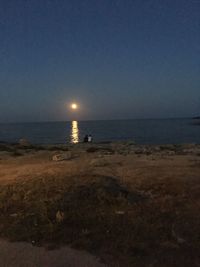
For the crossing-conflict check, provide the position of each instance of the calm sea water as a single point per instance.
(159, 131)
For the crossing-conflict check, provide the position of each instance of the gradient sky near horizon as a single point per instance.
(118, 59)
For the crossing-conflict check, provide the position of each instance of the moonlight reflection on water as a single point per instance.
(74, 132)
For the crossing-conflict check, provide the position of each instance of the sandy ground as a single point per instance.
(127, 167)
(162, 173)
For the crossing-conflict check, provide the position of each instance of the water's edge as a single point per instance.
(165, 131)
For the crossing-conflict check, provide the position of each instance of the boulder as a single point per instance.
(64, 156)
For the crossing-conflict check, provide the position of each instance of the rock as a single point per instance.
(141, 150)
(65, 156)
(130, 143)
(60, 216)
(179, 239)
(156, 149)
(14, 215)
(119, 212)
(170, 153)
(24, 142)
(167, 147)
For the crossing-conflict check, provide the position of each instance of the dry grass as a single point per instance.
(104, 217)
(145, 214)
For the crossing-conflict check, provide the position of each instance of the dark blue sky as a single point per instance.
(118, 59)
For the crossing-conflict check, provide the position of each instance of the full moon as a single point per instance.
(74, 106)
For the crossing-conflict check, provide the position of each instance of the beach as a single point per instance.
(125, 204)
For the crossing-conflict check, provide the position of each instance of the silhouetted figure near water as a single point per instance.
(89, 138)
(85, 140)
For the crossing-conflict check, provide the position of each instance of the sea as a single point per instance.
(140, 131)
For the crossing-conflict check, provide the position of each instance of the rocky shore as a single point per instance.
(127, 204)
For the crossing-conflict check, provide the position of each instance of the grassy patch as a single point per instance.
(154, 222)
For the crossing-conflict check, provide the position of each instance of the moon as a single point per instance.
(74, 106)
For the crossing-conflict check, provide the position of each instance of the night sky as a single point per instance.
(118, 59)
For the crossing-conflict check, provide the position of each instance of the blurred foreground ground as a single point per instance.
(126, 204)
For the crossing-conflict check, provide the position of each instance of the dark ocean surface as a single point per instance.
(146, 131)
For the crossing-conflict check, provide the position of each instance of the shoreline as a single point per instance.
(112, 148)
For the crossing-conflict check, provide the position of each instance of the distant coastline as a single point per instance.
(196, 118)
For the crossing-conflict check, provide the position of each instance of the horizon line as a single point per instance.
(122, 119)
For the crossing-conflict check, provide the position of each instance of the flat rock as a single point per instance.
(64, 156)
